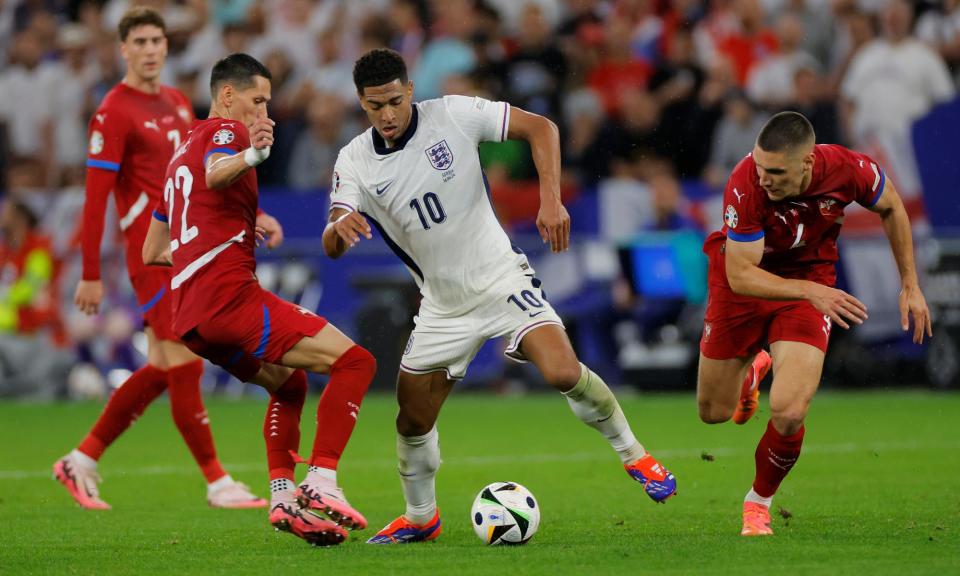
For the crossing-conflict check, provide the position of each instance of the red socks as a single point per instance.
(350, 376)
(281, 427)
(190, 416)
(775, 456)
(125, 405)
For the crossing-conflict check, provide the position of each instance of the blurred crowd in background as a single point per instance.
(656, 100)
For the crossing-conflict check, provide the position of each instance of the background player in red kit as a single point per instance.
(222, 313)
(772, 268)
(132, 135)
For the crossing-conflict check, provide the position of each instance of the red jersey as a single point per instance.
(799, 233)
(132, 133)
(211, 231)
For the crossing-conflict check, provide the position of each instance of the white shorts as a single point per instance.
(513, 309)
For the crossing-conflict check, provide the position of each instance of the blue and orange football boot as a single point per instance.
(658, 482)
(402, 531)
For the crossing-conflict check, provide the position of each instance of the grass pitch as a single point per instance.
(877, 491)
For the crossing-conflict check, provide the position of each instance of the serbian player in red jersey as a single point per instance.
(132, 136)
(222, 313)
(772, 271)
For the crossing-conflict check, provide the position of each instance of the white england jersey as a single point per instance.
(428, 198)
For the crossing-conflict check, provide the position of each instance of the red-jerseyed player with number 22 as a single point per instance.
(132, 136)
(205, 228)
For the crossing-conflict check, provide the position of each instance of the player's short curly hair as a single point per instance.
(237, 69)
(785, 131)
(139, 16)
(378, 67)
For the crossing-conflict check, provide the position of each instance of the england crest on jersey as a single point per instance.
(440, 155)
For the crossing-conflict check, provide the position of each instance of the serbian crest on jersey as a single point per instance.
(223, 137)
(730, 217)
(440, 155)
(828, 206)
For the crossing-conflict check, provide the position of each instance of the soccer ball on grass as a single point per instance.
(505, 513)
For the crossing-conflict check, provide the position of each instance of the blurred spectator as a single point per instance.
(332, 73)
(619, 69)
(740, 36)
(71, 102)
(770, 83)
(28, 87)
(809, 100)
(408, 18)
(675, 83)
(940, 28)
(29, 309)
(669, 206)
(634, 134)
(533, 76)
(448, 52)
(735, 136)
(893, 80)
(315, 150)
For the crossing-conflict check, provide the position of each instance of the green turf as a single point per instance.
(877, 491)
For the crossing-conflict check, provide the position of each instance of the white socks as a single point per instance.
(754, 497)
(596, 406)
(219, 483)
(419, 459)
(83, 460)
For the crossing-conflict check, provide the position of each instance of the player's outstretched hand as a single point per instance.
(912, 303)
(269, 228)
(837, 304)
(88, 296)
(553, 222)
(261, 133)
(350, 227)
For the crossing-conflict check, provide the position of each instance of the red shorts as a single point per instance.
(152, 287)
(738, 326)
(257, 327)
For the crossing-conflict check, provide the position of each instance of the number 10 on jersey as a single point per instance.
(434, 210)
(182, 182)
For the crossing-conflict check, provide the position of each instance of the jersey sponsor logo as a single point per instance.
(739, 195)
(152, 124)
(222, 137)
(730, 217)
(380, 190)
(440, 155)
(96, 143)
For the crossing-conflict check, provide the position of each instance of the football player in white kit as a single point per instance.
(416, 176)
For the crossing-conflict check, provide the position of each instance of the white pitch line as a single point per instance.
(599, 455)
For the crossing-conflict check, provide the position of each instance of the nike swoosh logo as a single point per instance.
(532, 315)
(380, 191)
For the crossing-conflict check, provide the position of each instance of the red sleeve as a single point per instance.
(229, 138)
(108, 135)
(867, 180)
(740, 216)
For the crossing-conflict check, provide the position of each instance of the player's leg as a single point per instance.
(718, 387)
(420, 397)
(591, 400)
(351, 369)
(184, 372)
(799, 336)
(77, 471)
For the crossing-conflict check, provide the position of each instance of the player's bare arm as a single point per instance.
(748, 279)
(269, 229)
(156, 246)
(553, 221)
(896, 225)
(343, 231)
(224, 169)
